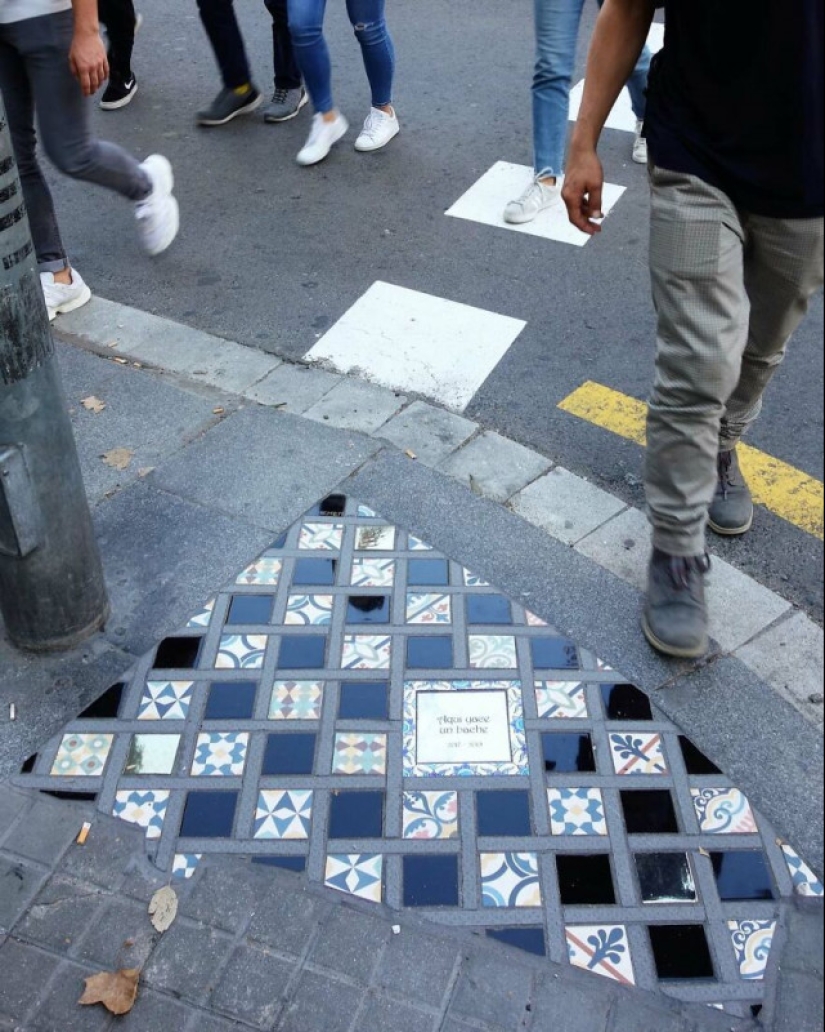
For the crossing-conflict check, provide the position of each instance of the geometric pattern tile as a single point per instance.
(359, 753)
(358, 875)
(82, 755)
(220, 755)
(283, 814)
(805, 882)
(561, 700)
(510, 880)
(637, 754)
(576, 811)
(184, 865)
(296, 700)
(146, 808)
(166, 700)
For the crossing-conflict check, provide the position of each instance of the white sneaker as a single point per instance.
(536, 198)
(378, 130)
(322, 137)
(158, 217)
(64, 297)
(640, 144)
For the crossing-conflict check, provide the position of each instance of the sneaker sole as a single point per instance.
(672, 650)
(317, 161)
(115, 105)
(210, 123)
(523, 221)
(70, 306)
(730, 531)
(369, 149)
(270, 120)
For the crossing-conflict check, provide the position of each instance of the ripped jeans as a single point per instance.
(306, 26)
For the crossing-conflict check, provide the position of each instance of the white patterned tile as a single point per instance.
(263, 571)
(429, 609)
(510, 880)
(430, 815)
(373, 573)
(296, 700)
(165, 700)
(358, 875)
(359, 753)
(752, 942)
(321, 537)
(184, 865)
(561, 700)
(82, 755)
(241, 652)
(576, 811)
(602, 949)
(220, 754)
(309, 610)
(146, 808)
(723, 811)
(493, 652)
(366, 652)
(637, 753)
(375, 539)
(283, 814)
(805, 882)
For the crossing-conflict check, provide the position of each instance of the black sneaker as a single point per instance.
(675, 620)
(118, 93)
(731, 511)
(228, 105)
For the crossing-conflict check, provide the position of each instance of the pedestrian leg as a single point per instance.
(289, 95)
(239, 95)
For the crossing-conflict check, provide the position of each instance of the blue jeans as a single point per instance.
(306, 25)
(557, 33)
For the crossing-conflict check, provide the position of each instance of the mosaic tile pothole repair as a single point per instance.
(358, 707)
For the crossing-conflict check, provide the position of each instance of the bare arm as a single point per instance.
(87, 57)
(620, 34)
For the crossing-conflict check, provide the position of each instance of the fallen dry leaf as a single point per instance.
(163, 908)
(704, 852)
(116, 990)
(118, 458)
(146, 471)
(93, 404)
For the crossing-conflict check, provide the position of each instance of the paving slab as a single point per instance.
(356, 405)
(430, 433)
(494, 466)
(566, 506)
(292, 388)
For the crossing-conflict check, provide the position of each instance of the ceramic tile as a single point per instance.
(561, 700)
(314, 572)
(487, 609)
(503, 813)
(723, 811)
(368, 609)
(752, 942)
(576, 811)
(184, 865)
(358, 875)
(241, 652)
(510, 880)
(375, 539)
(363, 700)
(532, 620)
(152, 754)
(429, 609)
(602, 949)
(665, 878)
(321, 537)
(805, 882)
(415, 544)
(430, 881)
(366, 512)
(296, 700)
(637, 754)
(585, 880)
(82, 755)
(430, 815)
(473, 580)
(249, 609)
(366, 652)
(283, 814)
(202, 618)
(681, 953)
(180, 652)
(358, 753)
(493, 652)
(263, 571)
(356, 815)
(231, 700)
(209, 814)
(309, 610)
(147, 809)
(165, 700)
(220, 754)
(373, 573)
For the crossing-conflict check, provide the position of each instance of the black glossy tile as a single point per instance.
(286, 863)
(503, 814)
(695, 761)
(568, 753)
(531, 940)
(178, 653)
(302, 652)
(29, 764)
(431, 881)
(356, 815)
(231, 700)
(489, 609)
(364, 700)
(554, 654)
(649, 812)
(289, 753)
(368, 609)
(77, 797)
(208, 815)
(585, 880)
(311, 572)
(625, 702)
(250, 609)
(681, 952)
(428, 572)
(665, 878)
(107, 706)
(430, 652)
(332, 505)
(741, 876)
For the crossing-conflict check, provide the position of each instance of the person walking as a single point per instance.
(51, 59)
(736, 128)
(557, 34)
(306, 23)
(121, 23)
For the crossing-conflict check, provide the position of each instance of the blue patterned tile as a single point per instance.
(637, 753)
(430, 815)
(321, 537)
(184, 865)
(561, 700)
(241, 652)
(723, 811)
(309, 610)
(147, 809)
(510, 880)
(220, 754)
(429, 609)
(358, 875)
(283, 814)
(602, 949)
(805, 882)
(576, 811)
(165, 700)
(752, 942)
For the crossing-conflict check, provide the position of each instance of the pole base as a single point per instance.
(66, 642)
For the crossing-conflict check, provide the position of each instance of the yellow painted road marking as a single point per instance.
(786, 491)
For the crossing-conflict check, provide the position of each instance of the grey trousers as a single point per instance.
(35, 76)
(729, 288)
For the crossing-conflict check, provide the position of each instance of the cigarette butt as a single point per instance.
(84, 834)
(410, 454)
(12, 711)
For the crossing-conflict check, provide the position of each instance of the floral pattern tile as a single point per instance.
(283, 814)
(375, 539)
(184, 865)
(429, 609)
(82, 755)
(220, 754)
(373, 573)
(510, 880)
(472, 580)
(430, 815)
(415, 544)
(577, 811)
(493, 652)
(309, 610)
(202, 618)
(165, 700)
(752, 942)
(359, 753)
(366, 652)
(561, 700)
(266, 570)
(638, 754)
(602, 949)
(723, 811)
(321, 537)
(241, 652)
(805, 882)
(358, 875)
(296, 700)
(147, 809)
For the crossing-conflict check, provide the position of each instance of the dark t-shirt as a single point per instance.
(736, 98)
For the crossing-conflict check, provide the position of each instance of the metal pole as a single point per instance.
(52, 593)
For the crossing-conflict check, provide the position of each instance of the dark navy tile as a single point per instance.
(71, 797)
(368, 609)
(531, 940)
(741, 876)
(625, 702)
(428, 572)
(431, 881)
(250, 609)
(356, 815)
(286, 863)
(568, 753)
(585, 880)
(649, 812)
(489, 609)
(231, 700)
(681, 952)
(696, 763)
(208, 815)
(364, 700)
(289, 753)
(332, 505)
(665, 878)
(302, 652)
(503, 814)
(430, 652)
(29, 764)
(107, 706)
(309, 572)
(178, 653)
(554, 654)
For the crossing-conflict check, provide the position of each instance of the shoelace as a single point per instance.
(279, 96)
(724, 466)
(372, 124)
(682, 568)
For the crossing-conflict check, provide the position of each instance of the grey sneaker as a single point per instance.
(675, 620)
(228, 105)
(285, 105)
(731, 511)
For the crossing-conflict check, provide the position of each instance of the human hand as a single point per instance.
(88, 61)
(582, 191)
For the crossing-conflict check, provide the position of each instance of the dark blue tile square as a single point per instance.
(311, 572)
(431, 881)
(503, 814)
(278, 543)
(250, 609)
(107, 706)
(649, 812)
(178, 653)
(430, 652)
(554, 654)
(231, 700)
(368, 609)
(286, 863)
(625, 702)
(289, 753)
(428, 572)
(356, 815)
(489, 609)
(568, 753)
(364, 700)
(681, 953)
(208, 815)
(742, 876)
(585, 880)
(530, 940)
(302, 652)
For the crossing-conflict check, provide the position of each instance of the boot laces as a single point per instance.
(725, 470)
(683, 569)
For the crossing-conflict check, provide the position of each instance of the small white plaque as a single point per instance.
(463, 727)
